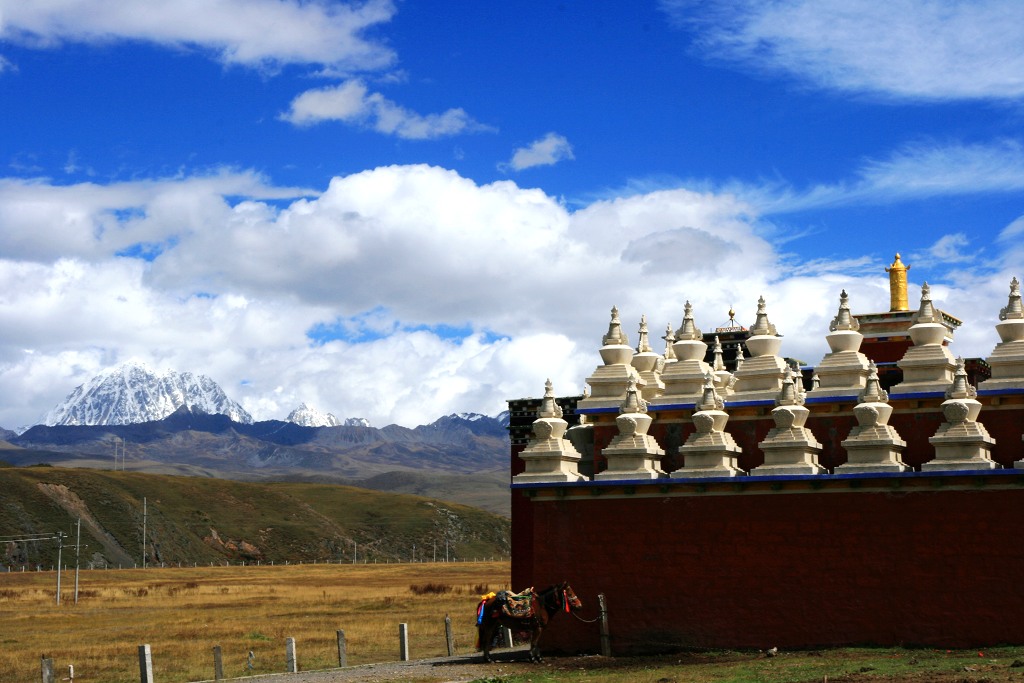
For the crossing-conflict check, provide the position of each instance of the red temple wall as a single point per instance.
(922, 565)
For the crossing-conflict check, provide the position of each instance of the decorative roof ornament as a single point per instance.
(670, 339)
(548, 406)
(898, 285)
(843, 320)
(615, 336)
(634, 403)
(643, 346)
(873, 391)
(1013, 309)
(688, 331)
(762, 326)
(710, 400)
(719, 363)
(926, 313)
(815, 381)
(960, 388)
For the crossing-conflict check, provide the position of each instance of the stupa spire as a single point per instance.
(634, 403)
(615, 336)
(1013, 309)
(926, 313)
(688, 331)
(873, 391)
(548, 406)
(643, 345)
(762, 326)
(719, 363)
(670, 339)
(844, 320)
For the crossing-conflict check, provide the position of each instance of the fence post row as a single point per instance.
(291, 660)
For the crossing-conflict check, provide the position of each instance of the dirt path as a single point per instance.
(458, 669)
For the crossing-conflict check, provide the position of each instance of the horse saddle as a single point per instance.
(517, 605)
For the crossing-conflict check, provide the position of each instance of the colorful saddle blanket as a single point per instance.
(517, 605)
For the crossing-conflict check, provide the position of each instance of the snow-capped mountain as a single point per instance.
(133, 393)
(307, 416)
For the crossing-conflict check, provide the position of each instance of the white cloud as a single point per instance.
(913, 49)
(43, 222)
(391, 258)
(245, 32)
(547, 151)
(948, 249)
(916, 171)
(352, 103)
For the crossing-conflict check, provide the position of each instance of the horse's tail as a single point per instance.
(481, 615)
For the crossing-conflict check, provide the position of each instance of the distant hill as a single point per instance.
(463, 458)
(202, 520)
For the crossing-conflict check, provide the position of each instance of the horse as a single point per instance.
(546, 604)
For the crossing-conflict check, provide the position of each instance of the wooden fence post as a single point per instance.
(46, 669)
(218, 664)
(145, 664)
(342, 650)
(291, 665)
(606, 640)
(449, 638)
(403, 642)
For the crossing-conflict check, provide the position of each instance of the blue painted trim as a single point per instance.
(595, 411)
(671, 406)
(917, 394)
(750, 478)
(1000, 392)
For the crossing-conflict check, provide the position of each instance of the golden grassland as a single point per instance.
(182, 613)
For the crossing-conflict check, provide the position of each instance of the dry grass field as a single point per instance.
(183, 612)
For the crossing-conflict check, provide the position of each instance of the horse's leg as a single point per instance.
(535, 644)
(486, 633)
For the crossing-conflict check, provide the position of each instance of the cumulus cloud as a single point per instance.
(245, 32)
(547, 151)
(907, 49)
(397, 294)
(351, 102)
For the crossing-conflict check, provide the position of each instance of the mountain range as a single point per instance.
(169, 423)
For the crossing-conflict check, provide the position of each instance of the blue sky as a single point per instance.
(397, 210)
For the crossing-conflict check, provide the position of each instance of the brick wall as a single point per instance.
(914, 560)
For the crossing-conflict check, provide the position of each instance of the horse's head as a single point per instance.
(570, 596)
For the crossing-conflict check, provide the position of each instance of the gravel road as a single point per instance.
(458, 669)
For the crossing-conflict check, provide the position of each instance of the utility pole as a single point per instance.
(78, 543)
(60, 545)
(143, 532)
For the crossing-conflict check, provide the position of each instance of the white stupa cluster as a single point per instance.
(645, 386)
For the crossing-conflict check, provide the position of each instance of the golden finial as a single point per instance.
(898, 285)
